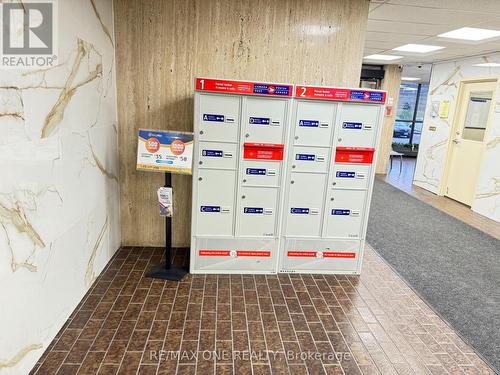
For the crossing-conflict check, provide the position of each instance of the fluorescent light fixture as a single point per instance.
(488, 65)
(383, 57)
(417, 48)
(470, 33)
(410, 79)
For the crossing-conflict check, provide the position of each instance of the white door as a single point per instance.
(219, 117)
(473, 116)
(314, 123)
(344, 218)
(264, 120)
(257, 212)
(215, 202)
(305, 204)
(358, 125)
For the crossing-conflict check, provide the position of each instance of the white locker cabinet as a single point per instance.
(217, 155)
(215, 203)
(345, 213)
(314, 123)
(219, 118)
(261, 173)
(321, 256)
(350, 176)
(305, 204)
(264, 119)
(329, 178)
(310, 159)
(358, 125)
(240, 129)
(257, 212)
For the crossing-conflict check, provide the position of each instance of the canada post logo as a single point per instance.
(28, 34)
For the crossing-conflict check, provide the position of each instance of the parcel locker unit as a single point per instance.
(330, 170)
(240, 129)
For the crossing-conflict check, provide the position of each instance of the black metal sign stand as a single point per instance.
(167, 271)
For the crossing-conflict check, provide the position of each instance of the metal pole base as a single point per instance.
(173, 273)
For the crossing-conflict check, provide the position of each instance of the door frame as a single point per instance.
(455, 124)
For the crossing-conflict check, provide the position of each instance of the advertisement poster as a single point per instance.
(165, 151)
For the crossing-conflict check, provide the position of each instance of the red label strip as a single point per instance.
(252, 253)
(319, 254)
(356, 155)
(263, 151)
(237, 253)
(244, 88)
(340, 94)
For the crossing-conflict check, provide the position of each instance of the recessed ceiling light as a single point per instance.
(488, 65)
(417, 48)
(410, 79)
(383, 57)
(470, 33)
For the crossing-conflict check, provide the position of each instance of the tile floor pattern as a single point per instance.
(375, 323)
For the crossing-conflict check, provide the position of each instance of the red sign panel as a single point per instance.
(340, 94)
(244, 88)
(356, 155)
(263, 151)
(302, 254)
(333, 254)
(214, 253)
(252, 253)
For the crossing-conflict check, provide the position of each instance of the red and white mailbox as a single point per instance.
(331, 151)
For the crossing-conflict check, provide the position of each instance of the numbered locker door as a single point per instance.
(217, 155)
(350, 176)
(264, 120)
(310, 159)
(215, 202)
(257, 212)
(261, 173)
(314, 123)
(305, 204)
(219, 118)
(344, 218)
(358, 125)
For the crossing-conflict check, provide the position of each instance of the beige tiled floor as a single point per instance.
(285, 324)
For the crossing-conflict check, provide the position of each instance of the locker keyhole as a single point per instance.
(292, 182)
(332, 199)
(244, 180)
(201, 131)
(200, 179)
(334, 183)
(243, 197)
(247, 135)
(200, 162)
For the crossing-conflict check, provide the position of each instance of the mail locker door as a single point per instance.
(345, 213)
(358, 125)
(305, 204)
(215, 202)
(257, 212)
(314, 123)
(310, 159)
(219, 118)
(350, 176)
(261, 173)
(264, 120)
(217, 155)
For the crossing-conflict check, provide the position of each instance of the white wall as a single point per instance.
(59, 222)
(444, 85)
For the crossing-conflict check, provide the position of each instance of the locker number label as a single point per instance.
(309, 123)
(213, 118)
(212, 153)
(352, 125)
(340, 212)
(260, 120)
(341, 174)
(256, 171)
(305, 157)
(210, 208)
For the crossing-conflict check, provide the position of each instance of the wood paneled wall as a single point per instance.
(391, 83)
(162, 45)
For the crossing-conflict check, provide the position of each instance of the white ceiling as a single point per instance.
(392, 23)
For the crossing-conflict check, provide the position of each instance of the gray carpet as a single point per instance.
(453, 266)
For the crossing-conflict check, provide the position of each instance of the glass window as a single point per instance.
(410, 113)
